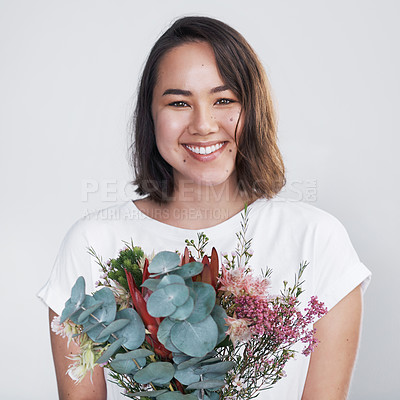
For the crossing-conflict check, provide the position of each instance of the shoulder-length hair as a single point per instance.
(259, 166)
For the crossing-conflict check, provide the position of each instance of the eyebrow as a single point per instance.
(181, 92)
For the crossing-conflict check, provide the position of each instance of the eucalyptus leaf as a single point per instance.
(85, 314)
(206, 395)
(94, 332)
(170, 346)
(69, 309)
(151, 284)
(164, 262)
(176, 396)
(124, 366)
(164, 330)
(89, 327)
(190, 269)
(105, 313)
(204, 303)
(196, 339)
(136, 354)
(114, 347)
(192, 361)
(177, 293)
(219, 315)
(134, 332)
(157, 373)
(187, 376)
(210, 384)
(114, 327)
(150, 393)
(180, 358)
(78, 292)
(158, 304)
(170, 279)
(218, 368)
(183, 312)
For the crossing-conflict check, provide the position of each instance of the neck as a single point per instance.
(205, 206)
(195, 206)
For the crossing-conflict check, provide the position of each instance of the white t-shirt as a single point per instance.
(284, 235)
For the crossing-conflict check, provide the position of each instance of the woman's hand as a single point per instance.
(87, 389)
(332, 362)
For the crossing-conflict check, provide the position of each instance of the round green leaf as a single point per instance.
(219, 315)
(210, 384)
(184, 310)
(164, 262)
(114, 347)
(220, 368)
(134, 332)
(204, 301)
(164, 330)
(177, 293)
(124, 366)
(151, 284)
(105, 313)
(158, 304)
(78, 291)
(136, 354)
(169, 279)
(190, 269)
(158, 373)
(176, 396)
(150, 393)
(113, 327)
(195, 339)
(186, 376)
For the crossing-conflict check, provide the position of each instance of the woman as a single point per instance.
(204, 145)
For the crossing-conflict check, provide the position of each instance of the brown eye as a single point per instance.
(225, 101)
(178, 104)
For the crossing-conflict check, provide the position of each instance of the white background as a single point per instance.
(68, 75)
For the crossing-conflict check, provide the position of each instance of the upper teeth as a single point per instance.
(204, 150)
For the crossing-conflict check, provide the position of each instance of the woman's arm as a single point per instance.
(332, 362)
(88, 389)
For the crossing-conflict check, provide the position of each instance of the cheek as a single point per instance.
(167, 129)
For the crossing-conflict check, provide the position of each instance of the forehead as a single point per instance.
(188, 65)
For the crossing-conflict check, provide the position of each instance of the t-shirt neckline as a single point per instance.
(231, 223)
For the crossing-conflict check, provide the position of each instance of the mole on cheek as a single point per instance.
(231, 119)
(230, 150)
(184, 160)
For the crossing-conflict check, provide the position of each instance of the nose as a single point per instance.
(202, 121)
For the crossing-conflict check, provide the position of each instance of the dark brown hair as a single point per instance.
(259, 165)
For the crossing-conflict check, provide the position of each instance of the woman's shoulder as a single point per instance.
(99, 222)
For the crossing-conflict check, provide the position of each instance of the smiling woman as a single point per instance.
(204, 145)
(209, 73)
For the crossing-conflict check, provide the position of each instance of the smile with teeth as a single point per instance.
(204, 149)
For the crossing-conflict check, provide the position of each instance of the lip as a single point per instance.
(205, 157)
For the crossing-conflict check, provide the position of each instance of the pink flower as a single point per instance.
(240, 283)
(257, 286)
(238, 330)
(233, 281)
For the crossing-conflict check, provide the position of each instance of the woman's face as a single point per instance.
(195, 116)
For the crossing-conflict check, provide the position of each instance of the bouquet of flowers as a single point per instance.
(178, 327)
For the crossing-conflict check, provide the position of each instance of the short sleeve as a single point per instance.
(338, 269)
(72, 261)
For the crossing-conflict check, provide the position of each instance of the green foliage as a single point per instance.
(128, 259)
(164, 262)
